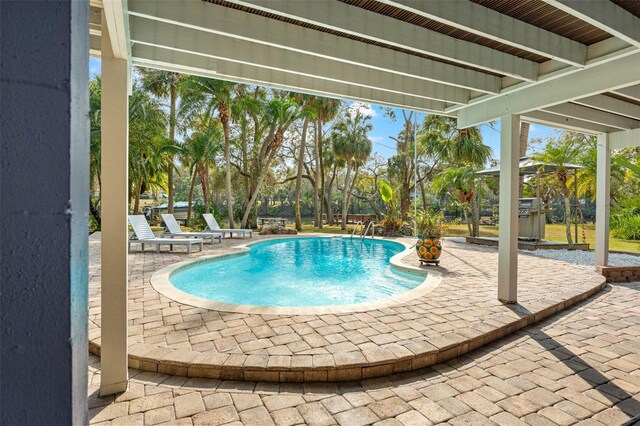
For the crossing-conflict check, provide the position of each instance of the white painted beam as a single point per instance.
(114, 14)
(562, 122)
(632, 92)
(605, 15)
(373, 26)
(233, 23)
(508, 209)
(603, 200)
(154, 57)
(612, 105)
(597, 54)
(114, 210)
(95, 29)
(593, 116)
(496, 26)
(599, 78)
(187, 40)
(626, 139)
(95, 44)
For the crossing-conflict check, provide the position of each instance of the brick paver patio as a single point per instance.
(581, 366)
(460, 315)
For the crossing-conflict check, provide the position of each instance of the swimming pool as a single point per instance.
(300, 272)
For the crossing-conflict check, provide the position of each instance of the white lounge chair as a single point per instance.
(144, 235)
(212, 225)
(173, 230)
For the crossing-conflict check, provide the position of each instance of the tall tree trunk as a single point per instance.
(223, 112)
(567, 214)
(352, 186)
(172, 137)
(405, 201)
(524, 140)
(422, 190)
(475, 217)
(328, 197)
(136, 203)
(245, 160)
(466, 218)
(317, 202)
(327, 206)
(345, 197)
(190, 200)
(321, 176)
(258, 185)
(375, 208)
(204, 182)
(303, 141)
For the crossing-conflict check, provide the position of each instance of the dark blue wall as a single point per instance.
(44, 140)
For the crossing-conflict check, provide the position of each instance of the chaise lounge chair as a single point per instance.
(173, 230)
(212, 225)
(144, 235)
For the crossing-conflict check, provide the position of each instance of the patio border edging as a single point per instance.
(256, 367)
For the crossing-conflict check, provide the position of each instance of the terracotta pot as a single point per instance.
(429, 248)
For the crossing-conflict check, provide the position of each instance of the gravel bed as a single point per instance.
(580, 258)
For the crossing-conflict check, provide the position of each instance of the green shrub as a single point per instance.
(625, 225)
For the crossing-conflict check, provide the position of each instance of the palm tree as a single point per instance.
(327, 110)
(461, 183)
(95, 93)
(351, 144)
(456, 148)
(205, 95)
(198, 153)
(561, 153)
(308, 111)
(401, 166)
(163, 84)
(442, 140)
(147, 127)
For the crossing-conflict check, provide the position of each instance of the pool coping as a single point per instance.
(161, 283)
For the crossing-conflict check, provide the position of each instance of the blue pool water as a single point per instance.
(300, 272)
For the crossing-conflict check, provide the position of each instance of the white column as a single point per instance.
(603, 200)
(114, 199)
(508, 231)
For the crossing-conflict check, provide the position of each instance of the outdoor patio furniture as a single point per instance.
(273, 221)
(173, 230)
(212, 225)
(144, 235)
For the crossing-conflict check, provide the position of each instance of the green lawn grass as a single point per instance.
(554, 232)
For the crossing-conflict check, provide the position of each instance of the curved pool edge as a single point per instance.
(161, 283)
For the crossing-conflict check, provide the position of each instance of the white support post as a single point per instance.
(114, 199)
(508, 232)
(603, 182)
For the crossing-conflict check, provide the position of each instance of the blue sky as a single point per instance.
(383, 127)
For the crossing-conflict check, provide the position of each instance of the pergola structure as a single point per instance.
(567, 63)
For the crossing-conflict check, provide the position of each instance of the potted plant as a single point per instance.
(429, 229)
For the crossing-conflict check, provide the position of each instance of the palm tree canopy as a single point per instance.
(158, 82)
(350, 139)
(201, 96)
(440, 138)
(202, 147)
